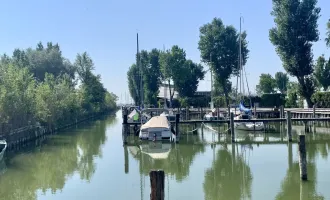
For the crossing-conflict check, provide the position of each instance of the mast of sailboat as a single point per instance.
(138, 62)
(240, 57)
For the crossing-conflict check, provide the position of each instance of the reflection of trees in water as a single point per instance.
(49, 166)
(228, 178)
(292, 187)
(178, 161)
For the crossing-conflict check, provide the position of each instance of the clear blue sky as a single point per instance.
(106, 29)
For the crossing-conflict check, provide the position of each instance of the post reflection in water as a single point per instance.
(91, 162)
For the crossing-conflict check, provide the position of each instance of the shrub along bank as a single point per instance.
(39, 87)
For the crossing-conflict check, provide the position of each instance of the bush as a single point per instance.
(272, 100)
(321, 99)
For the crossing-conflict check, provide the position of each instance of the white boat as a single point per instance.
(134, 116)
(170, 116)
(3, 147)
(157, 128)
(248, 126)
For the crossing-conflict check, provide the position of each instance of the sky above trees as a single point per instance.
(107, 30)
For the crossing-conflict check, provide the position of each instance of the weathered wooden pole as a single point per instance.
(289, 126)
(232, 131)
(314, 113)
(126, 160)
(201, 113)
(125, 127)
(281, 111)
(157, 184)
(255, 110)
(177, 131)
(302, 158)
(228, 111)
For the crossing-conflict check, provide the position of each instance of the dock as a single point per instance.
(267, 116)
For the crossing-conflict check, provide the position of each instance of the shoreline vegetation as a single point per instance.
(293, 35)
(41, 91)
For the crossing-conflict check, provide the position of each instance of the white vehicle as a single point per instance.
(157, 128)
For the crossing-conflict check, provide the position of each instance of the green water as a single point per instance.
(90, 162)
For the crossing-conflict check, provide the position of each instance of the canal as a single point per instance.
(90, 162)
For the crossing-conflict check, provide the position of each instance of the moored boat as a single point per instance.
(157, 128)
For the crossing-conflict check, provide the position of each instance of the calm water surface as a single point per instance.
(90, 162)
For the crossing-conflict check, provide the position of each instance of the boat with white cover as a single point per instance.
(157, 128)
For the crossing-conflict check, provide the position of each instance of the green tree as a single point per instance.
(133, 79)
(282, 80)
(219, 47)
(46, 60)
(171, 63)
(151, 75)
(322, 72)
(267, 84)
(191, 73)
(295, 30)
(84, 66)
(17, 96)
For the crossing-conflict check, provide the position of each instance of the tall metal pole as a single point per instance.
(138, 62)
(240, 56)
(211, 82)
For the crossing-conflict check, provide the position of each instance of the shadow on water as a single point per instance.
(58, 157)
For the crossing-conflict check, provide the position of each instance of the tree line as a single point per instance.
(38, 86)
(171, 67)
(295, 31)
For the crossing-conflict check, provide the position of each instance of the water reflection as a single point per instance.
(229, 177)
(174, 159)
(292, 187)
(48, 167)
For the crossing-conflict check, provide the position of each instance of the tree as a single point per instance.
(295, 30)
(133, 78)
(219, 47)
(282, 81)
(191, 73)
(267, 84)
(171, 63)
(322, 72)
(328, 34)
(151, 75)
(84, 66)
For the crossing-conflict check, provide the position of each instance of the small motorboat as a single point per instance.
(248, 126)
(157, 128)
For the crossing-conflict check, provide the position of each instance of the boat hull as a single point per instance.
(249, 126)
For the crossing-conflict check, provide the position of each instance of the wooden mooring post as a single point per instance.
(289, 125)
(157, 184)
(281, 111)
(177, 131)
(314, 113)
(126, 160)
(125, 127)
(232, 130)
(302, 158)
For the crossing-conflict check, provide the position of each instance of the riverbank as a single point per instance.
(22, 136)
